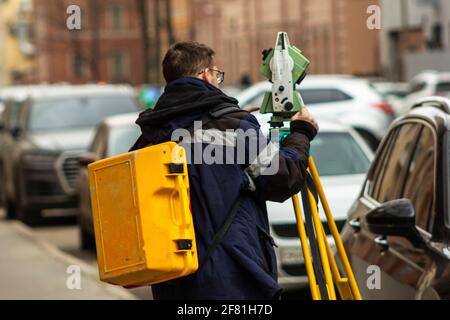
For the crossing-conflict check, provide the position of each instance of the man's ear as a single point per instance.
(205, 75)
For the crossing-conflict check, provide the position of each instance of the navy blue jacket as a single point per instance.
(244, 265)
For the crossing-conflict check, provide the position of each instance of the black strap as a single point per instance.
(223, 229)
(215, 113)
(309, 224)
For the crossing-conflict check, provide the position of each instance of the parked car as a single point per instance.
(12, 98)
(394, 94)
(350, 100)
(342, 158)
(400, 222)
(114, 136)
(40, 152)
(425, 84)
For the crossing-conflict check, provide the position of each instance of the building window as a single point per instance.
(78, 65)
(117, 18)
(118, 66)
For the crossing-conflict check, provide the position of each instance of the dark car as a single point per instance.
(40, 153)
(11, 100)
(399, 227)
(114, 136)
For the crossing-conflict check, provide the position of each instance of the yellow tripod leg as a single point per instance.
(315, 293)
(321, 241)
(342, 284)
(334, 231)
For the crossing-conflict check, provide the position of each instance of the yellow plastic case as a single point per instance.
(143, 224)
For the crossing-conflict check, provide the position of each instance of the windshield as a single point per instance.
(121, 139)
(443, 87)
(77, 112)
(338, 154)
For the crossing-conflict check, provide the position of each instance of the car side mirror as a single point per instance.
(395, 218)
(87, 158)
(16, 132)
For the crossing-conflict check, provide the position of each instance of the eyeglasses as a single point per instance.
(220, 75)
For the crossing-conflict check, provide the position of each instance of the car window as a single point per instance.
(121, 139)
(419, 184)
(312, 96)
(337, 153)
(379, 163)
(443, 87)
(13, 114)
(417, 86)
(77, 112)
(394, 163)
(99, 144)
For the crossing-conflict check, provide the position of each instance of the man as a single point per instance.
(237, 259)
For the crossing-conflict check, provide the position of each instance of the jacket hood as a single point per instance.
(183, 101)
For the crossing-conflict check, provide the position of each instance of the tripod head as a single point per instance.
(285, 67)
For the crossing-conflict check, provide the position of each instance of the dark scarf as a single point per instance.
(183, 101)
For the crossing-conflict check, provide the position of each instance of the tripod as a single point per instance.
(321, 267)
(285, 67)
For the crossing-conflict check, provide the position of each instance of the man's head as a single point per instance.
(191, 59)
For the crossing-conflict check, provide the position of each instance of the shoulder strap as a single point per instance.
(223, 109)
(212, 114)
(223, 229)
(216, 112)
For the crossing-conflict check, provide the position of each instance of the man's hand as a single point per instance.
(306, 116)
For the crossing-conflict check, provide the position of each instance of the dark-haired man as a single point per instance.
(237, 259)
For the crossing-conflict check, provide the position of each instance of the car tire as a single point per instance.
(28, 216)
(10, 208)
(87, 241)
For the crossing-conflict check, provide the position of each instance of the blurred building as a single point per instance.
(106, 49)
(415, 37)
(16, 50)
(332, 33)
(110, 46)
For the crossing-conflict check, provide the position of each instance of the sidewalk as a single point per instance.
(33, 269)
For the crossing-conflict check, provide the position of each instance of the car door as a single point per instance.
(396, 261)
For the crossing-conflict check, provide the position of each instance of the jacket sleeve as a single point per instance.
(279, 169)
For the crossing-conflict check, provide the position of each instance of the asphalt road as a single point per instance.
(62, 232)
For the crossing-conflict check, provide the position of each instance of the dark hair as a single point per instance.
(186, 58)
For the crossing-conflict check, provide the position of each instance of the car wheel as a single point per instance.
(87, 241)
(29, 216)
(370, 139)
(10, 208)
(3, 198)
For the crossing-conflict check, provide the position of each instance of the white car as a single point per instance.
(342, 158)
(394, 93)
(352, 101)
(427, 83)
